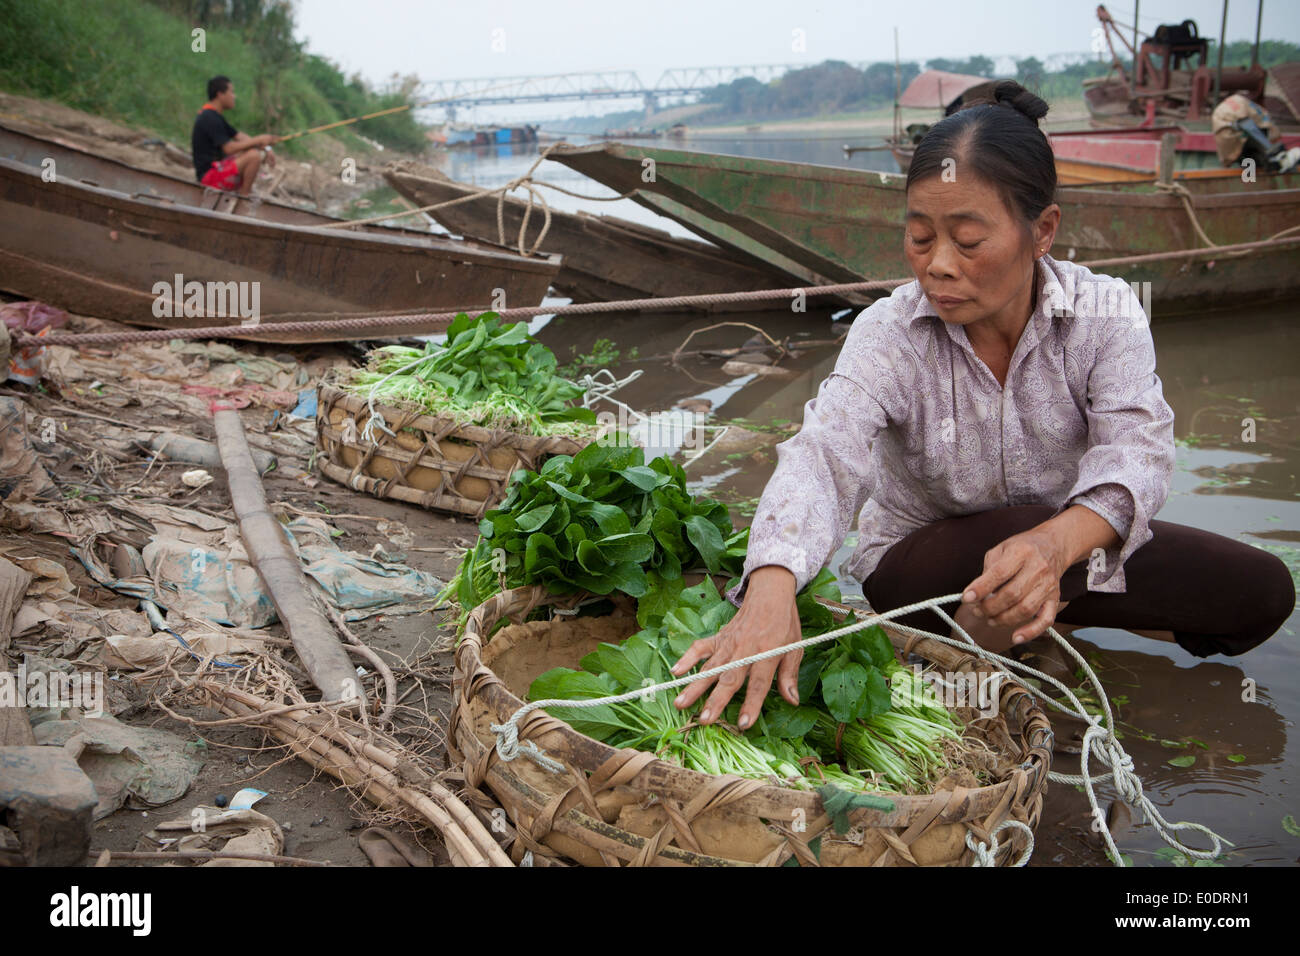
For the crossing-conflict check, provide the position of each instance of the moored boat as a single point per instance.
(847, 224)
(103, 238)
(604, 258)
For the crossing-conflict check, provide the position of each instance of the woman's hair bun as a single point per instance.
(1012, 94)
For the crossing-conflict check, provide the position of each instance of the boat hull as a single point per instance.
(104, 252)
(604, 258)
(847, 224)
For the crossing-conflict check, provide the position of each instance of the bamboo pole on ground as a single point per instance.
(313, 636)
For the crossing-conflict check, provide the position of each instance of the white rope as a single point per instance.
(595, 388)
(1099, 740)
(605, 390)
(985, 852)
(375, 418)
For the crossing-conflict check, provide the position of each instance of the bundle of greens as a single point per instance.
(847, 732)
(601, 520)
(486, 374)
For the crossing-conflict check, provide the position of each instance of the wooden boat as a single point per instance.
(846, 225)
(604, 258)
(102, 236)
(1121, 155)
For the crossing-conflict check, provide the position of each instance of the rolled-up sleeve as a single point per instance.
(1125, 473)
(820, 483)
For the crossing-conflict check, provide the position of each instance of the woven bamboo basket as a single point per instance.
(613, 807)
(434, 462)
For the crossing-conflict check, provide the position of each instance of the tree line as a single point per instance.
(837, 87)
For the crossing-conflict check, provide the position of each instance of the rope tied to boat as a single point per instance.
(1184, 194)
(1099, 741)
(525, 182)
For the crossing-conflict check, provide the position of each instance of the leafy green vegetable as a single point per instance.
(486, 374)
(878, 746)
(601, 520)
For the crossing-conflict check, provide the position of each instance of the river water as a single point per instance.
(1233, 716)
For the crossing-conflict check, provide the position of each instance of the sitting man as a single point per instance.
(1243, 130)
(225, 158)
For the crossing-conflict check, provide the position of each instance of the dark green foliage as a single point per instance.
(602, 520)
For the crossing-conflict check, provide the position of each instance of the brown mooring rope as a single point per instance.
(424, 320)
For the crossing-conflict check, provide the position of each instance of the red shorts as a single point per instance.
(223, 174)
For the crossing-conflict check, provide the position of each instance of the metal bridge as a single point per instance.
(599, 85)
(625, 84)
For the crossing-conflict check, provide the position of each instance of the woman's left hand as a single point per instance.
(1021, 584)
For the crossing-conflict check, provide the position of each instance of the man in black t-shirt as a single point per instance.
(225, 158)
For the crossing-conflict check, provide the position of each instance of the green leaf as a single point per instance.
(679, 641)
(707, 540)
(667, 530)
(607, 457)
(660, 597)
(838, 803)
(844, 690)
(534, 519)
(589, 557)
(875, 645)
(1184, 761)
(810, 672)
(542, 555)
(715, 616)
(610, 519)
(670, 566)
(876, 698)
(647, 479)
(1237, 758)
(628, 578)
(683, 623)
(1290, 826)
(784, 720)
(630, 546)
(609, 659)
(702, 595)
(564, 492)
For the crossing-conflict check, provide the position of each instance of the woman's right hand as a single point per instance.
(768, 618)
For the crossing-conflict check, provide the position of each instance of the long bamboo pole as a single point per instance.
(313, 636)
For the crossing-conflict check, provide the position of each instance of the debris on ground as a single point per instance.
(122, 569)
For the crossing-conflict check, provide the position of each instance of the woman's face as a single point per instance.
(973, 257)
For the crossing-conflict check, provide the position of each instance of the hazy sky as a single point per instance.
(437, 39)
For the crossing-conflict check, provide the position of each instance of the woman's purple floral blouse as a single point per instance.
(911, 427)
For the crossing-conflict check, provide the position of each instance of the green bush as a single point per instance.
(132, 61)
